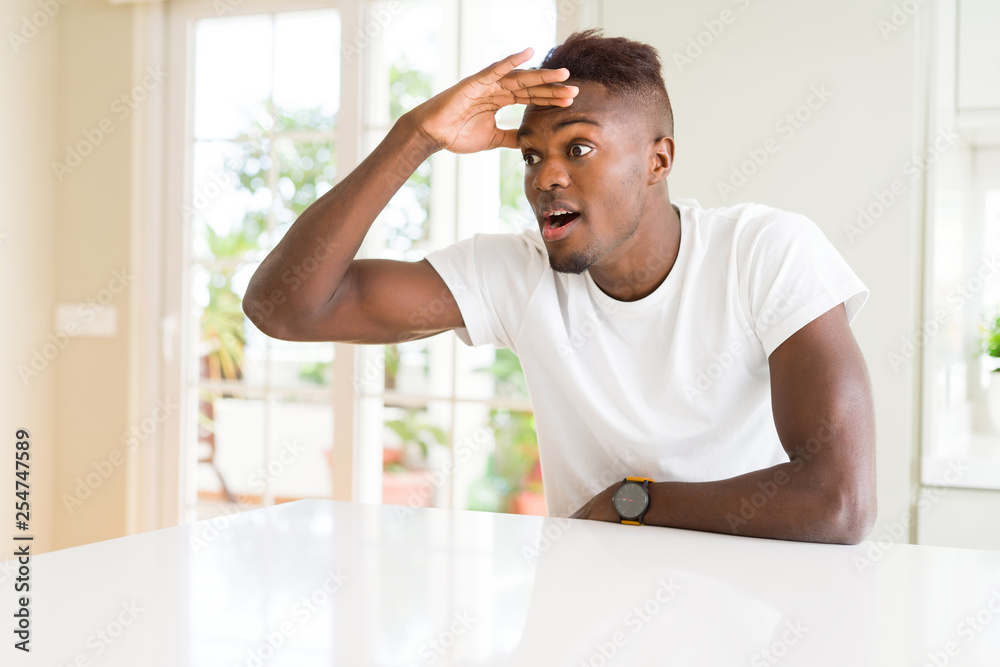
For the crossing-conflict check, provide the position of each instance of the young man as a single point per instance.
(706, 353)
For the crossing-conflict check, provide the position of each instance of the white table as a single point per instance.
(334, 583)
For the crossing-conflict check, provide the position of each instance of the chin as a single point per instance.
(575, 263)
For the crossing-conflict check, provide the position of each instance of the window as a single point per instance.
(454, 423)
(436, 423)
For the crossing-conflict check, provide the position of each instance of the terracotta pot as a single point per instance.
(411, 487)
(526, 502)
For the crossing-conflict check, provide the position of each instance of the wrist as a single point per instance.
(424, 142)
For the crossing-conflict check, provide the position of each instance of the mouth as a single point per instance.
(558, 223)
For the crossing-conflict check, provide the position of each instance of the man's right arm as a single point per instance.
(310, 287)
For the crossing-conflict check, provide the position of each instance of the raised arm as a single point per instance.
(310, 287)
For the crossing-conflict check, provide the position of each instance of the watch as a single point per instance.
(631, 500)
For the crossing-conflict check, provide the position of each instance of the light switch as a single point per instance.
(89, 320)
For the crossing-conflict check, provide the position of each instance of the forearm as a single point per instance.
(299, 277)
(789, 501)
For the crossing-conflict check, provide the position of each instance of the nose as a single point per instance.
(549, 174)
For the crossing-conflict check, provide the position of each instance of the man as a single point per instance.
(706, 353)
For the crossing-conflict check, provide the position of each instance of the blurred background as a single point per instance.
(156, 151)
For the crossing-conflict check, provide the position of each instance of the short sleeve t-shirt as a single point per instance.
(674, 386)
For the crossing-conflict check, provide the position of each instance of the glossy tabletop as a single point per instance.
(334, 583)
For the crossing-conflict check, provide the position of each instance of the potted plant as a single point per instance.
(990, 345)
(404, 469)
(512, 481)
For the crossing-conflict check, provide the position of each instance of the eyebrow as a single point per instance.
(525, 131)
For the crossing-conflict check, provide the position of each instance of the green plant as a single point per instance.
(416, 430)
(514, 457)
(222, 320)
(314, 372)
(990, 336)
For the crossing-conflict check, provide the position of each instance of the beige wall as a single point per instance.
(27, 116)
(91, 242)
(763, 64)
(65, 240)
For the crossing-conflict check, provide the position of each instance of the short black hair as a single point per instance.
(625, 67)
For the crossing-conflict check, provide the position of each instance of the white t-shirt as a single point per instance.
(674, 386)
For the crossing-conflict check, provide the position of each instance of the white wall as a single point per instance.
(27, 112)
(765, 61)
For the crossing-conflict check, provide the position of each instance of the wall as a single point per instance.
(762, 60)
(91, 244)
(28, 101)
(67, 233)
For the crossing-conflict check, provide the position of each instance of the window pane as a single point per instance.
(230, 447)
(497, 466)
(232, 74)
(414, 452)
(403, 55)
(306, 171)
(307, 64)
(222, 338)
(301, 440)
(301, 365)
(230, 200)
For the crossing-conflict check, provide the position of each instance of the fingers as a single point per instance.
(526, 78)
(501, 68)
(550, 94)
(505, 139)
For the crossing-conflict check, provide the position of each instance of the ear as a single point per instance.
(661, 159)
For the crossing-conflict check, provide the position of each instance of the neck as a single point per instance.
(643, 262)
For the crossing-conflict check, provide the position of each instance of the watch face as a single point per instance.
(630, 500)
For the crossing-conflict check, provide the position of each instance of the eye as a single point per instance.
(528, 157)
(574, 153)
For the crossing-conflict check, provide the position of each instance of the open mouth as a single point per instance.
(557, 220)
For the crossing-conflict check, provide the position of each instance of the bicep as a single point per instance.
(383, 301)
(822, 401)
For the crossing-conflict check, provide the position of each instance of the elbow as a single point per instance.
(262, 313)
(852, 517)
